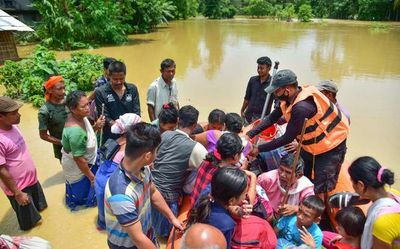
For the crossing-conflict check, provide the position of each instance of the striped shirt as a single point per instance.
(127, 200)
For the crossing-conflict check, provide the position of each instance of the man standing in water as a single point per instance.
(18, 177)
(255, 97)
(163, 90)
(118, 98)
(53, 113)
(324, 144)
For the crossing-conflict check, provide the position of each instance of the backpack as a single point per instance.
(253, 232)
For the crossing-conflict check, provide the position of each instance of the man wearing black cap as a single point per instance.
(255, 95)
(324, 141)
(18, 177)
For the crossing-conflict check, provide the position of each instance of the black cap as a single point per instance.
(265, 60)
(282, 78)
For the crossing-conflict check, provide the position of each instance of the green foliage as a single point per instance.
(24, 79)
(77, 24)
(286, 13)
(339, 9)
(305, 13)
(258, 8)
(373, 9)
(185, 8)
(149, 13)
(218, 9)
(379, 27)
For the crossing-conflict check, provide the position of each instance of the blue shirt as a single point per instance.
(289, 234)
(127, 200)
(221, 219)
(101, 81)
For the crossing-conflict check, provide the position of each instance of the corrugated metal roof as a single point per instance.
(9, 23)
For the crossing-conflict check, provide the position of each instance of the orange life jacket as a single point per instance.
(326, 129)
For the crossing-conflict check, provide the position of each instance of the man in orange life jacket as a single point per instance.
(324, 141)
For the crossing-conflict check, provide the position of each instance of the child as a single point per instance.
(228, 188)
(167, 119)
(350, 226)
(130, 193)
(227, 153)
(302, 230)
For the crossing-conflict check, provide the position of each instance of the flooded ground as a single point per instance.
(214, 62)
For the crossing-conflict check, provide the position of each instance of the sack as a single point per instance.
(23, 242)
(253, 232)
(108, 150)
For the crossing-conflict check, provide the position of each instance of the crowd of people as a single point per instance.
(137, 173)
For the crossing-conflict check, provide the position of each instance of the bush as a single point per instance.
(218, 9)
(78, 24)
(258, 8)
(24, 79)
(286, 13)
(305, 13)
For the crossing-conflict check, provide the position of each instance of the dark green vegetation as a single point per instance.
(24, 79)
(72, 24)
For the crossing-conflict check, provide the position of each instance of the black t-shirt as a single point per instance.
(256, 96)
(114, 106)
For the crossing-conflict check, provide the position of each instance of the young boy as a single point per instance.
(302, 230)
(130, 193)
(18, 177)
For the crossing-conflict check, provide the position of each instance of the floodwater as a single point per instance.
(214, 62)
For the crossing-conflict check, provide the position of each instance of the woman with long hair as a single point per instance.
(382, 227)
(228, 188)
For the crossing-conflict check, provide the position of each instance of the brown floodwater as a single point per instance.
(214, 62)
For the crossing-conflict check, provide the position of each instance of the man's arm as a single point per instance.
(151, 101)
(47, 137)
(197, 156)
(21, 197)
(150, 110)
(266, 122)
(159, 203)
(247, 97)
(300, 111)
(136, 234)
(244, 106)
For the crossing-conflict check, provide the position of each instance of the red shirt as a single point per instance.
(203, 178)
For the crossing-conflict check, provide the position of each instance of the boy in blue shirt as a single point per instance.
(301, 230)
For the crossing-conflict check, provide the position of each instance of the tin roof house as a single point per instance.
(8, 24)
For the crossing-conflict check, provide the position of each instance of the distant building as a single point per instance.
(8, 24)
(21, 9)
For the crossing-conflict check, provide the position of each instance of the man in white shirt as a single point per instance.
(163, 89)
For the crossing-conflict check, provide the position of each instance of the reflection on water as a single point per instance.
(214, 62)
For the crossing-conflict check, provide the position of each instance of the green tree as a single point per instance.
(147, 14)
(258, 8)
(305, 13)
(286, 13)
(218, 9)
(374, 9)
(185, 8)
(75, 24)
